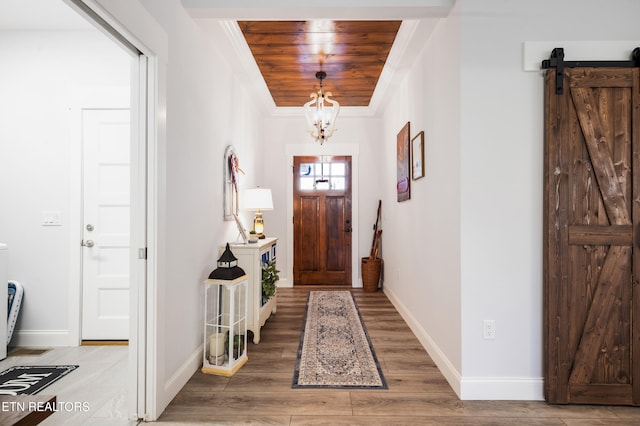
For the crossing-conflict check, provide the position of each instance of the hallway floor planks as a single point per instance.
(260, 392)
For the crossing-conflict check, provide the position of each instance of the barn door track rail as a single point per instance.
(556, 60)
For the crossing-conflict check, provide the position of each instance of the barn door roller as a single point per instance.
(556, 60)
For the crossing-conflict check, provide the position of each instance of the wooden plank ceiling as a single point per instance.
(289, 53)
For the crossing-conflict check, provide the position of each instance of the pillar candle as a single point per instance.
(216, 344)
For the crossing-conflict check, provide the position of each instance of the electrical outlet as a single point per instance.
(489, 329)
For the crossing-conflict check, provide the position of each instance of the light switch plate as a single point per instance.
(51, 218)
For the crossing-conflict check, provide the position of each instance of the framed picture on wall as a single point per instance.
(417, 156)
(403, 184)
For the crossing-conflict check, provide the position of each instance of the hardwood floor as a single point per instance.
(260, 392)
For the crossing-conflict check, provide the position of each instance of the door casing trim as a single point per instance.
(145, 92)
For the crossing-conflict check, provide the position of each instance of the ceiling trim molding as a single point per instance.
(255, 10)
(410, 41)
(310, 13)
(250, 72)
(393, 64)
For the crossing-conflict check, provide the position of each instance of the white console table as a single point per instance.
(250, 257)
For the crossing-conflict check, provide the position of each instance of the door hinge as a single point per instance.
(142, 253)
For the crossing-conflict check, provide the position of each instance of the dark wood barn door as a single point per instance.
(591, 236)
(322, 220)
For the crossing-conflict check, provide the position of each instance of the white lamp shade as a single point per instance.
(258, 199)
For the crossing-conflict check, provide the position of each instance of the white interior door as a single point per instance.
(106, 224)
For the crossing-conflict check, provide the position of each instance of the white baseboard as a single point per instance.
(446, 368)
(502, 388)
(41, 338)
(285, 283)
(471, 388)
(176, 382)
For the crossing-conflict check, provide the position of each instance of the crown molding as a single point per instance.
(330, 9)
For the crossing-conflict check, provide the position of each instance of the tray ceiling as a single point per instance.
(289, 53)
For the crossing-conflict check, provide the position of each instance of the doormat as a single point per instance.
(335, 350)
(31, 379)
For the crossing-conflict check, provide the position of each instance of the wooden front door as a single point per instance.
(322, 220)
(592, 218)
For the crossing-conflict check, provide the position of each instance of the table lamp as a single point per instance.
(258, 199)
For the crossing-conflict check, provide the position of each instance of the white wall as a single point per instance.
(479, 207)
(44, 78)
(206, 111)
(202, 108)
(422, 236)
(362, 132)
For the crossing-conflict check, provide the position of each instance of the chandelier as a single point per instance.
(321, 117)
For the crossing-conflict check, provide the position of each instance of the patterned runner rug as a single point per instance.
(335, 350)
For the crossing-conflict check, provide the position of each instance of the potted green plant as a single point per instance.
(269, 278)
(253, 237)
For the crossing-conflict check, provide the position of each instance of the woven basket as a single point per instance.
(371, 273)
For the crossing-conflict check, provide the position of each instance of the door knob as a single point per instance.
(88, 243)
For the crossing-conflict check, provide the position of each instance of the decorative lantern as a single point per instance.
(225, 317)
